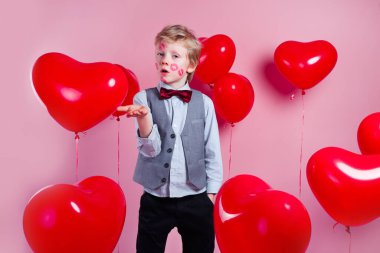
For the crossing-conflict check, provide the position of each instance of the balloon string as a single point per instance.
(118, 150)
(118, 164)
(229, 162)
(301, 151)
(77, 155)
(348, 230)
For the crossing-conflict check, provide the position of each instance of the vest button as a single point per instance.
(166, 165)
(172, 136)
(169, 150)
(163, 180)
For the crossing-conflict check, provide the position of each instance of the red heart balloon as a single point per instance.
(87, 217)
(133, 88)
(305, 64)
(252, 218)
(216, 59)
(201, 39)
(78, 95)
(346, 184)
(233, 97)
(369, 134)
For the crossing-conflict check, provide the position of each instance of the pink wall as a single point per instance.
(36, 151)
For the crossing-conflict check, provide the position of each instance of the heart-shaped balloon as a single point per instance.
(347, 185)
(216, 59)
(305, 64)
(87, 217)
(133, 88)
(250, 217)
(369, 134)
(78, 95)
(233, 97)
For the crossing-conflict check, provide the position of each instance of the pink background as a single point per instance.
(36, 151)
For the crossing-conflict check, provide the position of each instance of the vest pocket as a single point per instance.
(197, 121)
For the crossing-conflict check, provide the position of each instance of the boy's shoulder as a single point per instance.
(139, 97)
(140, 93)
(206, 98)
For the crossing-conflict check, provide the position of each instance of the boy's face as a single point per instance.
(172, 63)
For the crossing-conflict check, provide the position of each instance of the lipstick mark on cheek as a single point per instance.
(180, 72)
(173, 67)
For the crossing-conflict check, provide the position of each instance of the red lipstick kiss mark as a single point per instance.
(180, 72)
(173, 67)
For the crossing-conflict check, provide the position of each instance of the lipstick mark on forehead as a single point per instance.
(162, 46)
(180, 72)
(173, 67)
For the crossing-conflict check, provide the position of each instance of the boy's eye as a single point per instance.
(160, 54)
(175, 56)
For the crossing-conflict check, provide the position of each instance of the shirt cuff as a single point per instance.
(213, 187)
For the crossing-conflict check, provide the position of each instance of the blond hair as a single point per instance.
(180, 33)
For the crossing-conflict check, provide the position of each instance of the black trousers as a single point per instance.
(192, 215)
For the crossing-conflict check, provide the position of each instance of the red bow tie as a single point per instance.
(184, 95)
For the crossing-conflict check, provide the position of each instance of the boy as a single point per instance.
(179, 162)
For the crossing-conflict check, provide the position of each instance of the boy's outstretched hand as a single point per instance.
(138, 111)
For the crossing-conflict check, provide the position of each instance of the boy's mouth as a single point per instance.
(164, 71)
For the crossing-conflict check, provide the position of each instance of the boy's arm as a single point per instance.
(213, 156)
(148, 137)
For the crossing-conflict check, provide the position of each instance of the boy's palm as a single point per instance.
(134, 110)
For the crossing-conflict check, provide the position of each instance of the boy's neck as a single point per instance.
(176, 86)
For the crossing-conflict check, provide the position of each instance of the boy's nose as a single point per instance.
(164, 61)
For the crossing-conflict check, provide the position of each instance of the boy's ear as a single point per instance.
(191, 68)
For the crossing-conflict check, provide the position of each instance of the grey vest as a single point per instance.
(153, 172)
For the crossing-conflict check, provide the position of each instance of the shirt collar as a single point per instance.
(166, 86)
